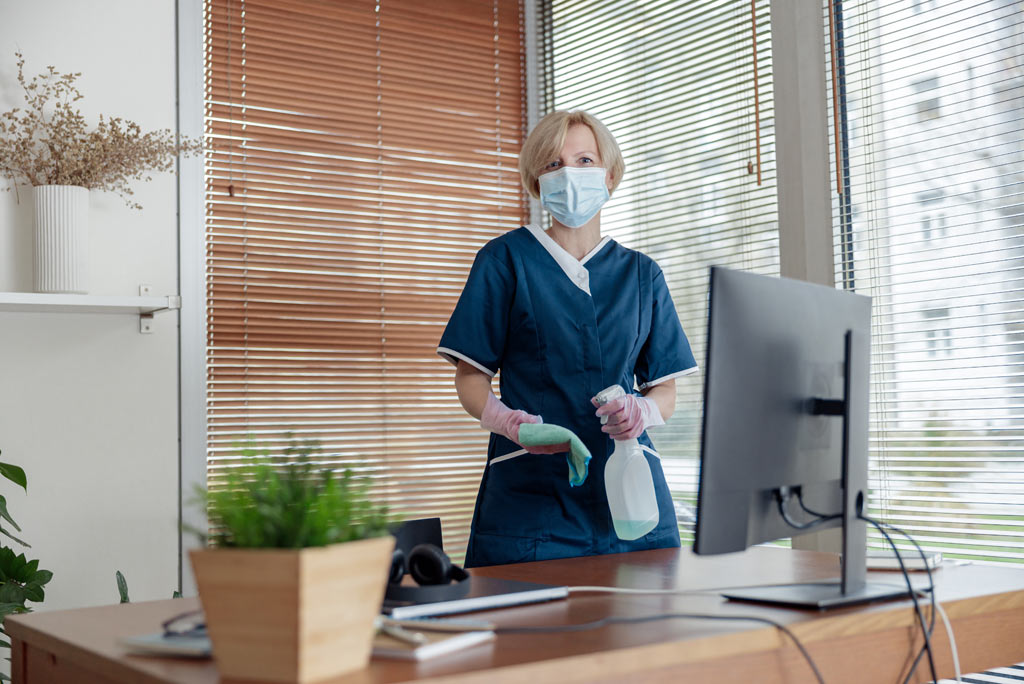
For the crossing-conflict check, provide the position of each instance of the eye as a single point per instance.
(586, 160)
(553, 164)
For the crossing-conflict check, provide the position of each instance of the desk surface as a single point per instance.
(865, 644)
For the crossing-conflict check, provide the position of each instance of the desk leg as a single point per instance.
(17, 661)
(33, 665)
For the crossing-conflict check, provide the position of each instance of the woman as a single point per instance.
(563, 313)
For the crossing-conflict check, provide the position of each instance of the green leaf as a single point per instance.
(12, 592)
(14, 474)
(41, 577)
(5, 644)
(25, 544)
(21, 571)
(176, 594)
(122, 587)
(4, 678)
(5, 515)
(34, 592)
(6, 558)
(12, 608)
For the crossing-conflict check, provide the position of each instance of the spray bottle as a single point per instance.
(628, 482)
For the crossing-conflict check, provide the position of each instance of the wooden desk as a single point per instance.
(865, 645)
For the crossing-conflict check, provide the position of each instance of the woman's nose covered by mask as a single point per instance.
(573, 195)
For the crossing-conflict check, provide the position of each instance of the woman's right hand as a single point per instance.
(502, 420)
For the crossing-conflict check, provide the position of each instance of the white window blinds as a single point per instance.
(362, 152)
(686, 88)
(930, 223)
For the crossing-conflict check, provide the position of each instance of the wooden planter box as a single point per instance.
(292, 616)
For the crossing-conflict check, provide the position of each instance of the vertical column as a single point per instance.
(801, 135)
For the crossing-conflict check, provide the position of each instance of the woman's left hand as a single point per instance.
(629, 416)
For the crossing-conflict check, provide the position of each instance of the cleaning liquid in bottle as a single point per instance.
(628, 482)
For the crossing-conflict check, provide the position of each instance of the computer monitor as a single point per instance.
(785, 428)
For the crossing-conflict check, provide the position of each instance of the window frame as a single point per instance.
(804, 217)
(192, 286)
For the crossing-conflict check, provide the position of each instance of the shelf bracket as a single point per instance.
(145, 319)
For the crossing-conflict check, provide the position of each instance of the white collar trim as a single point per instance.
(574, 269)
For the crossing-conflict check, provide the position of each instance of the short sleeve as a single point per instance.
(478, 327)
(666, 353)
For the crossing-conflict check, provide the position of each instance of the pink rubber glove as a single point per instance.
(502, 420)
(629, 416)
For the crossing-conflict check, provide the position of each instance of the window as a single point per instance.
(947, 420)
(927, 102)
(362, 153)
(938, 336)
(686, 88)
(933, 216)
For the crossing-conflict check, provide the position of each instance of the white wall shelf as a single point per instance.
(143, 306)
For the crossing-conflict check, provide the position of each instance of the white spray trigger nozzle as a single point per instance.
(608, 394)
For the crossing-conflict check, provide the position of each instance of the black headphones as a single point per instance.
(438, 579)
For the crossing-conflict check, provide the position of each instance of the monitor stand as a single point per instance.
(852, 586)
(818, 595)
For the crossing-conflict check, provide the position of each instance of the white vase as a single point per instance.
(61, 239)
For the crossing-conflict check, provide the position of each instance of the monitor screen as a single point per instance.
(772, 344)
(785, 430)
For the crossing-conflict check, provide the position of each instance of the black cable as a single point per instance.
(805, 509)
(931, 588)
(925, 629)
(781, 499)
(662, 616)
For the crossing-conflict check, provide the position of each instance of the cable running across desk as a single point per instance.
(664, 616)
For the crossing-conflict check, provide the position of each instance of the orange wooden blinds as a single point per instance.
(361, 153)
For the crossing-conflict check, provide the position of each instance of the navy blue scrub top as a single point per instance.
(560, 330)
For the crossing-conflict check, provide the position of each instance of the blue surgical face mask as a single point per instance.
(573, 195)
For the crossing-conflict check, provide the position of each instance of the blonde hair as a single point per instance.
(547, 138)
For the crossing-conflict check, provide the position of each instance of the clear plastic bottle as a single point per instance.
(628, 482)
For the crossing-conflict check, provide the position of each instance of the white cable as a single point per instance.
(952, 639)
(624, 590)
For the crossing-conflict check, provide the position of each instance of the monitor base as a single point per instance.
(818, 595)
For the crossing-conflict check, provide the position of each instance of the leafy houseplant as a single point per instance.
(298, 569)
(21, 580)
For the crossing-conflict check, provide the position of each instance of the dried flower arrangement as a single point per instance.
(49, 143)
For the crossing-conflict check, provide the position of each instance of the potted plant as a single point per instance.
(297, 570)
(48, 145)
(21, 579)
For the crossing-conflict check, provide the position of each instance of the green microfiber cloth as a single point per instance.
(540, 434)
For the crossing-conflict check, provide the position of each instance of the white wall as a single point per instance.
(88, 406)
